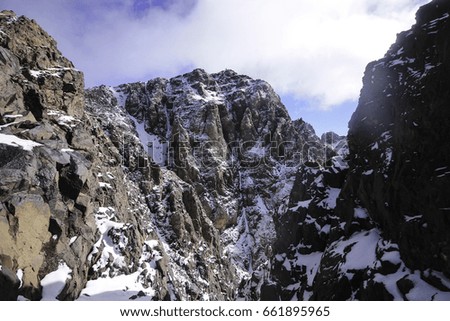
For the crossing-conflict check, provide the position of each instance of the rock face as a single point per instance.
(371, 226)
(223, 152)
(399, 142)
(42, 178)
(171, 185)
(201, 187)
(400, 131)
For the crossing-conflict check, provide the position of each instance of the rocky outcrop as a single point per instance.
(33, 62)
(56, 169)
(42, 177)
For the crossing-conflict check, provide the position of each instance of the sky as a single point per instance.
(313, 53)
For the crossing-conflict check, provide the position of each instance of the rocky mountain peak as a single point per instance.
(32, 45)
(430, 12)
(31, 59)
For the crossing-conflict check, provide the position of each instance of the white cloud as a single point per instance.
(314, 50)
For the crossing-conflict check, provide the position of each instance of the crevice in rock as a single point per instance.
(54, 228)
(33, 104)
(69, 182)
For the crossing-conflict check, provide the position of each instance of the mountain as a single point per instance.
(189, 216)
(201, 187)
(383, 235)
(223, 152)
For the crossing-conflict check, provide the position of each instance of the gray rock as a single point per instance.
(9, 284)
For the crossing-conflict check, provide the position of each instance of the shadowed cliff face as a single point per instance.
(374, 226)
(400, 132)
(396, 189)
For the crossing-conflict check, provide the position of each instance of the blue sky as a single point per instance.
(312, 52)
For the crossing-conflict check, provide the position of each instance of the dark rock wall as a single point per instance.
(395, 192)
(383, 235)
(399, 133)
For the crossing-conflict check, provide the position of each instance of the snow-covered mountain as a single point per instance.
(201, 187)
(221, 152)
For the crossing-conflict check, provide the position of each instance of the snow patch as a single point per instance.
(105, 185)
(19, 274)
(104, 220)
(363, 252)
(118, 288)
(15, 141)
(409, 218)
(257, 150)
(360, 213)
(54, 282)
(68, 121)
(388, 156)
(303, 204)
(359, 250)
(156, 148)
(391, 256)
(72, 240)
(311, 262)
(329, 202)
(13, 116)
(120, 96)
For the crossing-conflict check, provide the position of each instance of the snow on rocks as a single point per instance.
(54, 282)
(118, 288)
(15, 141)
